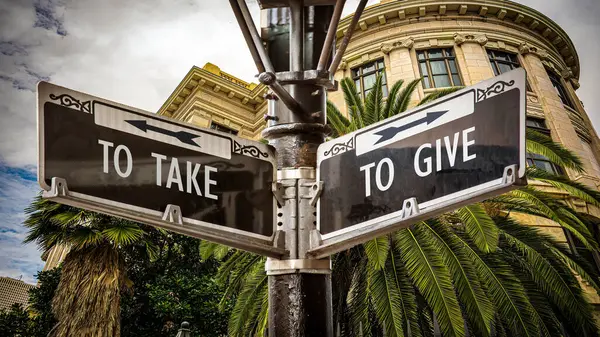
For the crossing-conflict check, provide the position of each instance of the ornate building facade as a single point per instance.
(447, 43)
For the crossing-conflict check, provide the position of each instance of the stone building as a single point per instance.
(448, 43)
(13, 291)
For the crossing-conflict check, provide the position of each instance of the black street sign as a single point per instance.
(107, 157)
(456, 150)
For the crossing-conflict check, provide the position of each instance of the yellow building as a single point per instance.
(447, 43)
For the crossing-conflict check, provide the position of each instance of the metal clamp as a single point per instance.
(173, 214)
(58, 188)
(316, 191)
(298, 266)
(410, 207)
(276, 188)
(510, 175)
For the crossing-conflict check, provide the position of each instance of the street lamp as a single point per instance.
(297, 65)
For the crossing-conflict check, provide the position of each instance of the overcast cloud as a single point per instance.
(136, 52)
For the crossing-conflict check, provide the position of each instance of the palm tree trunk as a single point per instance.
(87, 301)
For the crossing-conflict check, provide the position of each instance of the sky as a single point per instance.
(136, 52)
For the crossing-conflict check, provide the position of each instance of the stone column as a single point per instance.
(472, 58)
(401, 63)
(557, 116)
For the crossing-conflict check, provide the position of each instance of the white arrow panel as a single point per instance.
(115, 118)
(457, 107)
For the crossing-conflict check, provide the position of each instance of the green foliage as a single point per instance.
(15, 322)
(173, 287)
(36, 319)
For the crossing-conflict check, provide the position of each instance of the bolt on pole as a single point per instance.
(300, 40)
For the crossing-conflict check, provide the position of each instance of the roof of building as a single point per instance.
(503, 12)
(13, 291)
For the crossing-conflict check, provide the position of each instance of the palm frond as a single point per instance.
(123, 233)
(374, 103)
(503, 289)
(377, 251)
(358, 299)
(339, 123)
(353, 101)
(386, 299)
(251, 297)
(564, 183)
(408, 300)
(391, 99)
(564, 293)
(404, 96)
(470, 292)
(543, 145)
(431, 277)
(480, 227)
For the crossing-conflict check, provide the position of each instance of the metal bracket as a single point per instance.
(173, 214)
(410, 207)
(276, 189)
(298, 266)
(315, 192)
(58, 188)
(510, 174)
(315, 238)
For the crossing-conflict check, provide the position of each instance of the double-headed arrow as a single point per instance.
(183, 136)
(391, 132)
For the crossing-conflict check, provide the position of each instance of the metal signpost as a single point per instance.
(457, 150)
(110, 158)
(114, 159)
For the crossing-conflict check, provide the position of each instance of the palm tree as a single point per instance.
(87, 300)
(476, 271)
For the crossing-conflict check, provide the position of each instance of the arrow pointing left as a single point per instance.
(182, 136)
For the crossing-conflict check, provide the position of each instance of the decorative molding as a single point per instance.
(495, 89)
(343, 65)
(338, 148)
(251, 150)
(464, 38)
(70, 102)
(567, 74)
(387, 47)
(526, 48)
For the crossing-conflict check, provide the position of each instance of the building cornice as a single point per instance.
(514, 15)
(250, 95)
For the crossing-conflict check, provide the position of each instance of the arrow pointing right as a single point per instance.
(391, 132)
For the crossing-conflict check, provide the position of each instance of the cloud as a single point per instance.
(136, 52)
(19, 186)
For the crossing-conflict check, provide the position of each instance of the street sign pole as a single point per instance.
(300, 298)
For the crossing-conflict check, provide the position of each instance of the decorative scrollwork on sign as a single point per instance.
(251, 150)
(340, 147)
(70, 101)
(495, 88)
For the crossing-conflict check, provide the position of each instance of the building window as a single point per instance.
(365, 76)
(438, 68)
(560, 89)
(222, 128)
(503, 62)
(543, 163)
(537, 124)
(577, 247)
